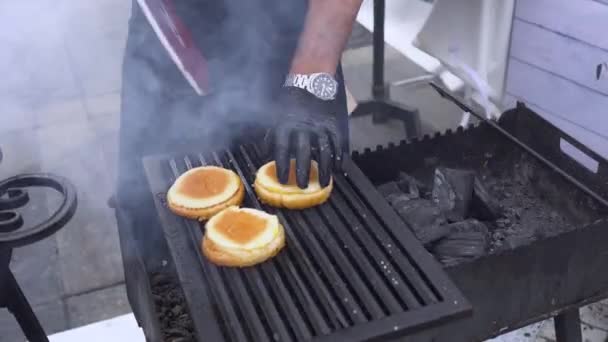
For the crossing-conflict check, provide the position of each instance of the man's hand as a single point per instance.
(307, 128)
(307, 125)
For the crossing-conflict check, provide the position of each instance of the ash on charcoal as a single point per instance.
(510, 195)
(389, 189)
(466, 241)
(412, 186)
(519, 238)
(175, 322)
(423, 216)
(484, 206)
(453, 191)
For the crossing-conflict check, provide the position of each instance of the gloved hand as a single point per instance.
(307, 127)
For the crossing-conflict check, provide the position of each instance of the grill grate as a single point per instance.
(350, 270)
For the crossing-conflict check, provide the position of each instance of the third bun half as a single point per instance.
(290, 196)
(204, 191)
(241, 237)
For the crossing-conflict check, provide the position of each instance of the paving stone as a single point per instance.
(106, 25)
(89, 247)
(16, 114)
(36, 269)
(590, 333)
(52, 316)
(364, 133)
(60, 111)
(89, 252)
(435, 113)
(525, 334)
(107, 129)
(21, 153)
(596, 315)
(102, 105)
(64, 140)
(101, 18)
(34, 60)
(98, 305)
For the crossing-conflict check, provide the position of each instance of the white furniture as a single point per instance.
(465, 43)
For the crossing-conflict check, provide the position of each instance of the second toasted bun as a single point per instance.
(204, 191)
(240, 237)
(290, 196)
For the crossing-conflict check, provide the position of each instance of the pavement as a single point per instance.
(60, 99)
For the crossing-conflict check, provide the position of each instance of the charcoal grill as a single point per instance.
(351, 269)
(551, 276)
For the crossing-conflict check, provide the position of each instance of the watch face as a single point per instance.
(324, 86)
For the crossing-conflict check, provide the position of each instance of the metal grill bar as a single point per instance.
(310, 223)
(347, 271)
(378, 258)
(286, 307)
(399, 256)
(254, 278)
(336, 317)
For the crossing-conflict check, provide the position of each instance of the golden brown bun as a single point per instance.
(223, 251)
(203, 192)
(290, 196)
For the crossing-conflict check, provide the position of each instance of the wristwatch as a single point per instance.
(322, 85)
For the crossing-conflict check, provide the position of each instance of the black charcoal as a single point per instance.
(397, 200)
(483, 206)
(453, 191)
(413, 190)
(466, 241)
(390, 188)
(411, 186)
(519, 238)
(470, 225)
(423, 216)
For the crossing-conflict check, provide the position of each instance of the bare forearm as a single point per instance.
(327, 29)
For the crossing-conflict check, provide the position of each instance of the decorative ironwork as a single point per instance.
(13, 196)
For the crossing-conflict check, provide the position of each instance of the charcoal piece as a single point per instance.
(423, 216)
(411, 186)
(453, 191)
(483, 206)
(432, 233)
(519, 238)
(389, 188)
(398, 200)
(413, 190)
(467, 240)
(469, 226)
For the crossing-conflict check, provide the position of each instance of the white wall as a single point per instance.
(555, 48)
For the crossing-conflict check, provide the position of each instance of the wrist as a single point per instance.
(321, 85)
(303, 67)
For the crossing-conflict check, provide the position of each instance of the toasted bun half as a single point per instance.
(290, 196)
(204, 191)
(241, 237)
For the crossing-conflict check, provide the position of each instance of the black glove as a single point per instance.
(307, 127)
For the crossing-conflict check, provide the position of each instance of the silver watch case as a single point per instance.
(322, 85)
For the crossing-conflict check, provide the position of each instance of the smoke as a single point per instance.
(64, 83)
(248, 45)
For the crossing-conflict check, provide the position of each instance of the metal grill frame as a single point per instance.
(208, 303)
